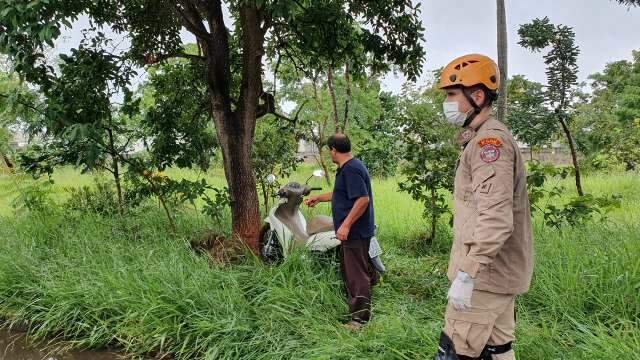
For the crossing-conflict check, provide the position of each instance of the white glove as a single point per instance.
(459, 294)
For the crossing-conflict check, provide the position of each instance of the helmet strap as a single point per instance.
(476, 108)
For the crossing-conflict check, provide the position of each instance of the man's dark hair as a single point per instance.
(340, 142)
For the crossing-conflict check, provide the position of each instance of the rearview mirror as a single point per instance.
(270, 178)
(318, 173)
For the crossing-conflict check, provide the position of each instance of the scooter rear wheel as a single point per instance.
(269, 246)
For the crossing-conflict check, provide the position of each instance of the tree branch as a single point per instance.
(191, 21)
(293, 121)
(295, 118)
(215, 17)
(126, 144)
(334, 105)
(302, 68)
(266, 25)
(107, 168)
(300, 5)
(275, 73)
(267, 106)
(154, 59)
(41, 112)
(190, 57)
(348, 97)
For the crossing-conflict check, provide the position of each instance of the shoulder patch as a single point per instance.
(490, 141)
(489, 153)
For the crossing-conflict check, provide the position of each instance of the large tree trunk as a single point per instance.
(502, 59)
(236, 153)
(235, 128)
(235, 125)
(574, 155)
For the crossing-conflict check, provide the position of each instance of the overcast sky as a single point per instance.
(605, 32)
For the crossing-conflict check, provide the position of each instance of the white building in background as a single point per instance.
(522, 146)
(20, 140)
(307, 149)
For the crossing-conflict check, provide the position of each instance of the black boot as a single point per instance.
(446, 350)
(494, 349)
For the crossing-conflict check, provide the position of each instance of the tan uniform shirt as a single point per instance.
(492, 222)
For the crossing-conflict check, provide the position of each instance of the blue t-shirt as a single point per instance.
(352, 182)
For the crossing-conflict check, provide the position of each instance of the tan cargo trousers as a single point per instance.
(490, 321)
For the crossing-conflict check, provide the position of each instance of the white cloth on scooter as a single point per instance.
(374, 248)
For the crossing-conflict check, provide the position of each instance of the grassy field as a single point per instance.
(128, 283)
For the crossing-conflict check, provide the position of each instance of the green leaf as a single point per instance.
(5, 12)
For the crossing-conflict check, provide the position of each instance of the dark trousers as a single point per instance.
(359, 276)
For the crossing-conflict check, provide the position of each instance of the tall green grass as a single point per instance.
(129, 283)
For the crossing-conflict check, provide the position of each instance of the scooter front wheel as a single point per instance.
(269, 246)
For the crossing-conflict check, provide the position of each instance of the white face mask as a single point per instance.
(453, 114)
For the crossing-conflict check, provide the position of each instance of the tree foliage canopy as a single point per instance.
(528, 116)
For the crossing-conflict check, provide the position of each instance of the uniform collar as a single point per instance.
(465, 136)
(492, 124)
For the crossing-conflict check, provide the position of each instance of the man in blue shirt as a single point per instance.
(352, 208)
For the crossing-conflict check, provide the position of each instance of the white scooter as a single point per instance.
(286, 228)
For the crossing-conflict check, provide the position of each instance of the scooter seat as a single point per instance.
(319, 223)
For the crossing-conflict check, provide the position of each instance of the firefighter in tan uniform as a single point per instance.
(492, 254)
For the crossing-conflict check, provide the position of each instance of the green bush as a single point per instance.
(577, 210)
(100, 199)
(34, 197)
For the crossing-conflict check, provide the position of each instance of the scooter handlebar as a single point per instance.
(316, 189)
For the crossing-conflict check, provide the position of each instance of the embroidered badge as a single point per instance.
(490, 141)
(489, 153)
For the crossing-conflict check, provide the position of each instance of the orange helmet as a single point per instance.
(469, 70)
